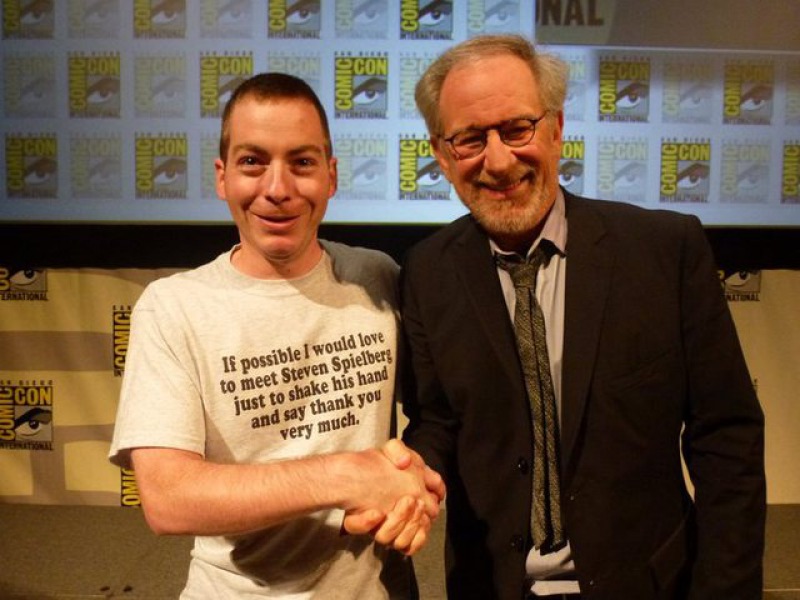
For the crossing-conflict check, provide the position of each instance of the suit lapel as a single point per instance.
(589, 264)
(476, 269)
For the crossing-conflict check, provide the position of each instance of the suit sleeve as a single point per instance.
(431, 430)
(723, 439)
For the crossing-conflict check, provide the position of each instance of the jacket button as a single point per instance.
(522, 466)
(517, 543)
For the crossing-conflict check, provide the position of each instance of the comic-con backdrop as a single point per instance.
(111, 114)
(111, 108)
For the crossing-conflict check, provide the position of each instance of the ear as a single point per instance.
(219, 177)
(333, 173)
(557, 133)
(558, 128)
(442, 156)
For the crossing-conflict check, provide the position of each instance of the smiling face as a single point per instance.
(277, 179)
(508, 190)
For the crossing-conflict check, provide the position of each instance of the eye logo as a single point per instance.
(160, 86)
(361, 83)
(685, 171)
(362, 18)
(96, 19)
(622, 169)
(29, 86)
(362, 167)
(570, 167)
(226, 19)
(94, 85)
(426, 19)
(95, 166)
(492, 16)
(23, 284)
(745, 171)
(165, 19)
(294, 19)
(742, 286)
(220, 74)
(748, 92)
(624, 90)
(161, 166)
(26, 415)
(421, 178)
(26, 19)
(32, 166)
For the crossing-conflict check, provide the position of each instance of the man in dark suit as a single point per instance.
(642, 353)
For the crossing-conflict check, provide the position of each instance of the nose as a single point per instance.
(277, 183)
(497, 156)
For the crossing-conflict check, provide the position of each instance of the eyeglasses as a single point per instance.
(469, 143)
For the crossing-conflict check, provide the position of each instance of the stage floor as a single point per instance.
(83, 552)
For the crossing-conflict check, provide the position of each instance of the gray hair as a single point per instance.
(550, 72)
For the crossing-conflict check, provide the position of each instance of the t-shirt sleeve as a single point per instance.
(160, 403)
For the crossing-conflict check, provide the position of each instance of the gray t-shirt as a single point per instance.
(243, 370)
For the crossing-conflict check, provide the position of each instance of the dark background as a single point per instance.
(110, 246)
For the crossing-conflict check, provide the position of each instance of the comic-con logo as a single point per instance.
(23, 284)
(293, 19)
(226, 19)
(28, 18)
(361, 82)
(575, 101)
(747, 93)
(120, 335)
(361, 167)
(687, 92)
(161, 165)
(790, 173)
(94, 85)
(426, 19)
(571, 165)
(159, 18)
(95, 166)
(741, 286)
(31, 166)
(412, 66)
(29, 85)
(92, 19)
(624, 89)
(362, 19)
(220, 75)
(492, 16)
(745, 171)
(160, 86)
(685, 171)
(421, 177)
(26, 415)
(128, 489)
(622, 169)
(305, 66)
(209, 151)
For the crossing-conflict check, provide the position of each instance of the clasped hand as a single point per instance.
(402, 502)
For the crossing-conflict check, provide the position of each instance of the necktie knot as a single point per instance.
(523, 271)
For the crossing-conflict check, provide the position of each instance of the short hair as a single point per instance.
(268, 87)
(550, 72)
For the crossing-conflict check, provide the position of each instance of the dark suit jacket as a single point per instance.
(650, 354)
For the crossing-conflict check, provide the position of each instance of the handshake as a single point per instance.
(398, 500)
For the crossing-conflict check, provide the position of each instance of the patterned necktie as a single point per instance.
(548, 534)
